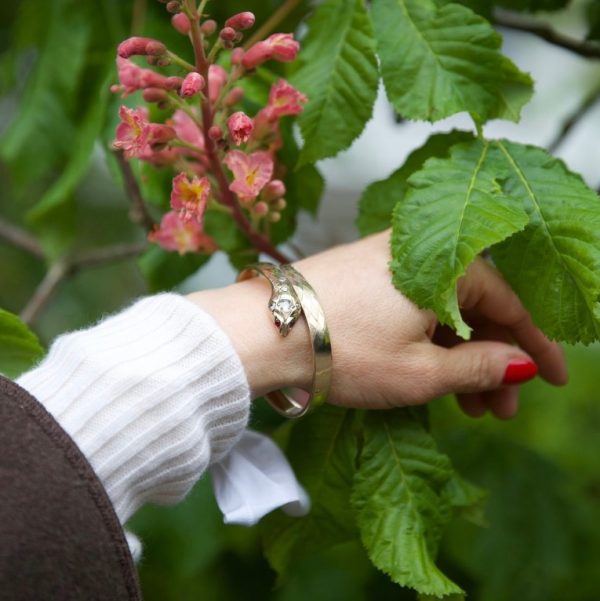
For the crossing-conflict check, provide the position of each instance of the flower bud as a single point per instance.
(192, 84)
(215, 132)
(173, 6)
(217, 78)
(275, 217)
(240, 127)
(154, 95)
(273, 190)
(285, 48)
(181, 23)
(261, 208)
(208, 27)
(173, 83)
(281, 204)
(152, 60)
(236, 56)
(227, 34)
(234, 96)
(278, 46)
(162, 61)
(241, 21)
(138, 46)
(155, 48)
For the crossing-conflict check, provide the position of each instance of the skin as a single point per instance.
(386, 351)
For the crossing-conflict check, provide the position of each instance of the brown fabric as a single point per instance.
(60, 538)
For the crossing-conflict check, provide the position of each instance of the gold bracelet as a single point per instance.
(292, 296)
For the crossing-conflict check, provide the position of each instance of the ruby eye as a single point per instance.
(277, 322)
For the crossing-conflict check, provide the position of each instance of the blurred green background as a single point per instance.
(541, 541)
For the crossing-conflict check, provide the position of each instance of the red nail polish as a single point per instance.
(519, 370)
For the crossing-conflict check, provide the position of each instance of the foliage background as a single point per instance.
(541, 535)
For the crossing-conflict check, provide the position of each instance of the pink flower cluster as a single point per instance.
(220, 155)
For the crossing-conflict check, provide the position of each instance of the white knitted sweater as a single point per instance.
(152, 396)
(155, 395)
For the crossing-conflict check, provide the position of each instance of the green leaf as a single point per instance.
(467, 500)
(164, 270)
(322, 451)
(379, 198)
(81, 154)
(440, 60)
(455, 209)
(399, 499)
(554, 263)
(339, 77)
(19, 346)
(42, 131)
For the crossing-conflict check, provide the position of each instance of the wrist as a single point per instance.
(270, 361)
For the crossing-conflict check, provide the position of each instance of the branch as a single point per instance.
(138, 211)
(53, 278)
(582, 110)
(545, 32)
(69, 266)
(21, 239)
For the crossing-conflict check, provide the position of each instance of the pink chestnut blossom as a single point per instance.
(228, 34)
(141, 47)
(278, 46)
(187, 129)
(273, 190)
(233, 96)
(181, 23)
(190, 198)
(135, 78)
(250, 172)
(241, 21)
(284, 100)
(240, 127)
(136, 137)
(183, 236)
(192, 84)
(133, 133)
(285, 47)
(217, 78)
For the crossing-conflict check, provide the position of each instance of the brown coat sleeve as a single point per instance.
(60, 538)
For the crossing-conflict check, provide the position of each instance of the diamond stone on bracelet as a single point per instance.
(285, 308)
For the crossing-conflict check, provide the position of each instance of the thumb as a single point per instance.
(480, 366)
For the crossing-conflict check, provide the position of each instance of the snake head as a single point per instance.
(285, 310)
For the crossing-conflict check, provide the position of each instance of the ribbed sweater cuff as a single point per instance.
(152, 396)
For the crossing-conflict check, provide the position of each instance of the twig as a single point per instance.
(21, 239)
(545, 32)
(272, 22)
(138, 211)
(108, 254)
(69, 266)
(53, 278)
(588, 103)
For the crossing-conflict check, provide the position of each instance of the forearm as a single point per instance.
(270, 361)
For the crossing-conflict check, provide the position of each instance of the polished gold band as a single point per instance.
(291, 296)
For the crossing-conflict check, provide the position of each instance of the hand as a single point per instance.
(386, 351)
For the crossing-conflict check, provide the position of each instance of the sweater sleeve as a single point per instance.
(152, 396)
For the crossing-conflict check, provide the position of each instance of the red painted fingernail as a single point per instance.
(519, 370)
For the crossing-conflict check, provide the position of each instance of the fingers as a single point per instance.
(485, 291)
(476, 367)
(503, 402)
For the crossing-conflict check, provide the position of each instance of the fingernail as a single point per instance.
(519, 370)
